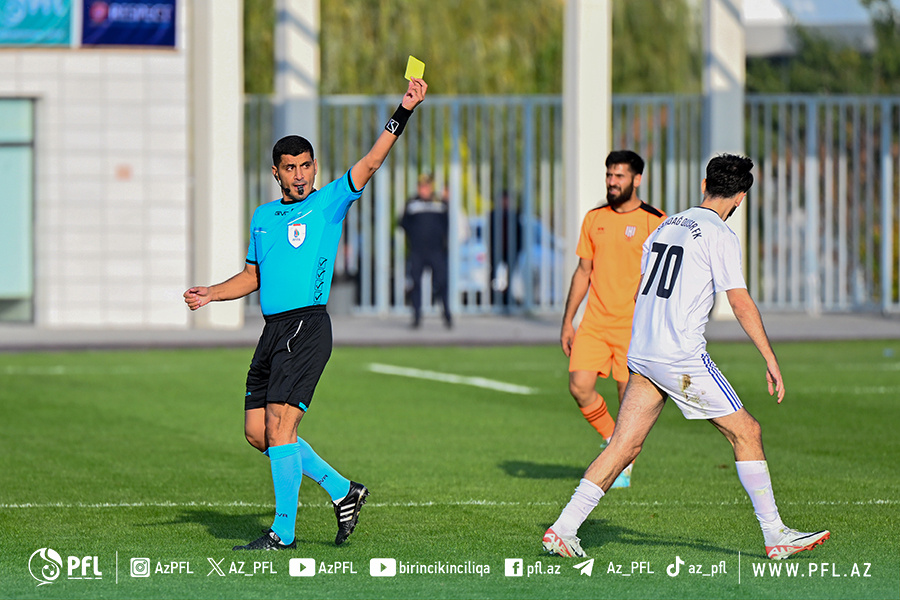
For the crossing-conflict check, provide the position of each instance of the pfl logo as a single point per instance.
(45, 565)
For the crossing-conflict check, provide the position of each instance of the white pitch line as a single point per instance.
(87, 370)
(263, 505)
(452, 503)
(875, 390)
(480, 382)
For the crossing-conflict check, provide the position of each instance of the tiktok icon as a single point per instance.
(675, 567)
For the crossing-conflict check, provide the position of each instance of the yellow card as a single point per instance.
(414, 68)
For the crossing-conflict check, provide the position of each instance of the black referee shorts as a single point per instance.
(291, 354)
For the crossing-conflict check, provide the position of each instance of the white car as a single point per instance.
(539, 258)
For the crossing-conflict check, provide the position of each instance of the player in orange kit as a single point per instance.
(608, 272)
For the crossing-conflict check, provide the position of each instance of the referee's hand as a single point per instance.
(415, 93)
(196, 297)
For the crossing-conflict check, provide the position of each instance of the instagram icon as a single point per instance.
(140, 567)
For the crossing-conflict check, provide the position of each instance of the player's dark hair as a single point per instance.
(293, 145)
(626, 157)
(728, 175)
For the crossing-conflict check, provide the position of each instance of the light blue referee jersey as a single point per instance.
(294, 246)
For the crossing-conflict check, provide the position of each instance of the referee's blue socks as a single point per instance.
(287, 473)
(322, 473)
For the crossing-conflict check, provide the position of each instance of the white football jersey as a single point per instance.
(690, 257)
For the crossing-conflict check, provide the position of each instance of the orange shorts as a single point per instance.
(602, 351)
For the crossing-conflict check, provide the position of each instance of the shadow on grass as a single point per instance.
(596, 533)
(247, 526)
(225, 526)
(530, 470)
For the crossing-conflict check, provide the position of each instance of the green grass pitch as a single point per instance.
(117, 456)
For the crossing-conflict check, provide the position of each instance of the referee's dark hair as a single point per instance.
(728, 175)
(626, 157)
(293, 145)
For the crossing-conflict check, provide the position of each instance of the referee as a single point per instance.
(290, 260)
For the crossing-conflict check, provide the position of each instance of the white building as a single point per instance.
(113, 201)
(770, 24)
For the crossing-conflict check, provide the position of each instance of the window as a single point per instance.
(17, 208)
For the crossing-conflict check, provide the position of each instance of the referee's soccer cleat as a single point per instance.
(560, 546)
(269, 541)
(788, 542)
(347, 511)
(624, 478)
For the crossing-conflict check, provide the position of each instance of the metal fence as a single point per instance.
(476, 148)
(823, 228)
(666, 131)
(822, 218)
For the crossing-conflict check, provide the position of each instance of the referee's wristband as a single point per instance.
(398, 120)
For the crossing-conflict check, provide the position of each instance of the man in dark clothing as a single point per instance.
(425, 221)
(506, 243)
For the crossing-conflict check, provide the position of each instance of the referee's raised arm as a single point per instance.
(362, 171)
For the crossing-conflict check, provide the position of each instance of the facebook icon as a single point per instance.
(514, 567)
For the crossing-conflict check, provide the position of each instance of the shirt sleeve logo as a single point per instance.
(296, 234)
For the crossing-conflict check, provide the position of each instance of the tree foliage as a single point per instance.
(478, 46)
(886, 60)
(516, 47)
(259, 46)
(656, 47)
(469, 46)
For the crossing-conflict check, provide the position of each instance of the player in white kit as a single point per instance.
(690, 257)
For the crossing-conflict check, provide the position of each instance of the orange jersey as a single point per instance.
(613, 242)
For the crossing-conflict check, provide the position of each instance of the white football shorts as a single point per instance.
(695, 384)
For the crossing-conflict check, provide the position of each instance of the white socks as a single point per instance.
(754, 476)
(583, 501)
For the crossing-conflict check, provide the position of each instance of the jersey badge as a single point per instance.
(296, 234)
(630, 231)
